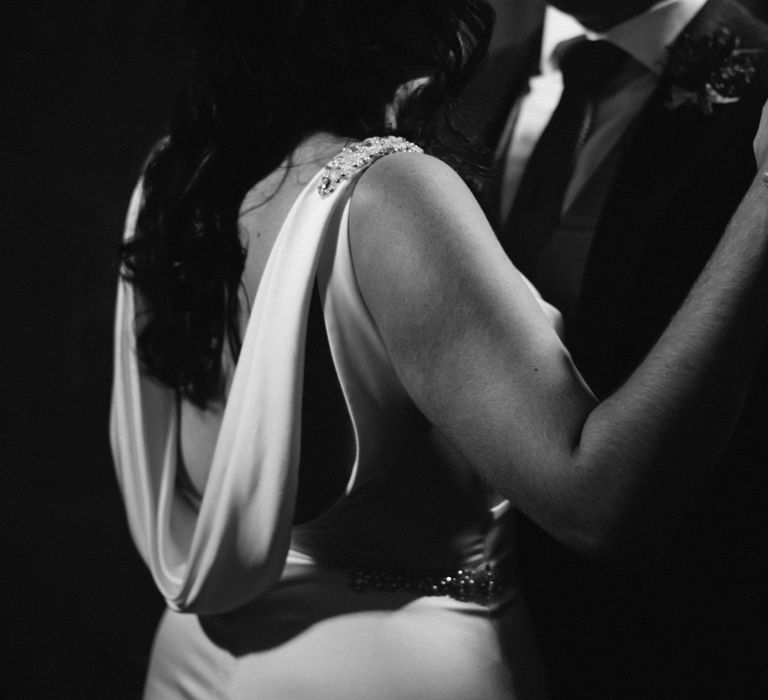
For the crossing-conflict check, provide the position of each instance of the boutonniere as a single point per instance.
(710, 70)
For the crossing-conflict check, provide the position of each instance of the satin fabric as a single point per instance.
(235, 547)
(261, 608)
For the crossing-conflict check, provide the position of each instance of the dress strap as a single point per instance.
(358, 156)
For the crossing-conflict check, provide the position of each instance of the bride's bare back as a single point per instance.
(262, 214)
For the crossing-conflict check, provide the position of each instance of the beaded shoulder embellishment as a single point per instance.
(358, 156)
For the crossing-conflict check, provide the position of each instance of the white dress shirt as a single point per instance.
(644, 37)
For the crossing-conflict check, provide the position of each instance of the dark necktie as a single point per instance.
(587, 66)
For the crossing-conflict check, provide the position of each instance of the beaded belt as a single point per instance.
(479, 584)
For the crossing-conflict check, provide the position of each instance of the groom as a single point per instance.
(618, 170)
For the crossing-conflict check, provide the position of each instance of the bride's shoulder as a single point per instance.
(410, 187)
(403, 170)
(412, 218)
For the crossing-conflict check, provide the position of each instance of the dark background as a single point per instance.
(87, 86)
(87, 91)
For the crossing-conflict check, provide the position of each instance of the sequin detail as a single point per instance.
(360, 155)
(480, 584)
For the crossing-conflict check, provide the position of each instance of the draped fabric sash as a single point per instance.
(235, 546)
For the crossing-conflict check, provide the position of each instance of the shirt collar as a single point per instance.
(645, 37)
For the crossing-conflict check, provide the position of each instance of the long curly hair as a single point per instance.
(262, 76)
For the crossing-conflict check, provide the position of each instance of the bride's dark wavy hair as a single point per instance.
(263, 75)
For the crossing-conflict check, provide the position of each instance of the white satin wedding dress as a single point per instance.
(405, 588)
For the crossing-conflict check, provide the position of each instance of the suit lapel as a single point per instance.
(661, 152)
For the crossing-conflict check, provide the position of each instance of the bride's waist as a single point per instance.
(407, 539)
(471, 575)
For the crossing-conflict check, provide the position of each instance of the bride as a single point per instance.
(332, 389)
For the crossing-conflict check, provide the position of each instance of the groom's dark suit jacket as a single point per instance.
(694, 624)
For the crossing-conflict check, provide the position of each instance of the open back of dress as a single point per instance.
(404, 588)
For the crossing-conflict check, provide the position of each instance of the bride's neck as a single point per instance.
(316, 150)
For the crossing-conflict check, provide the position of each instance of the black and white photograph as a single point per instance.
(405, 350)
